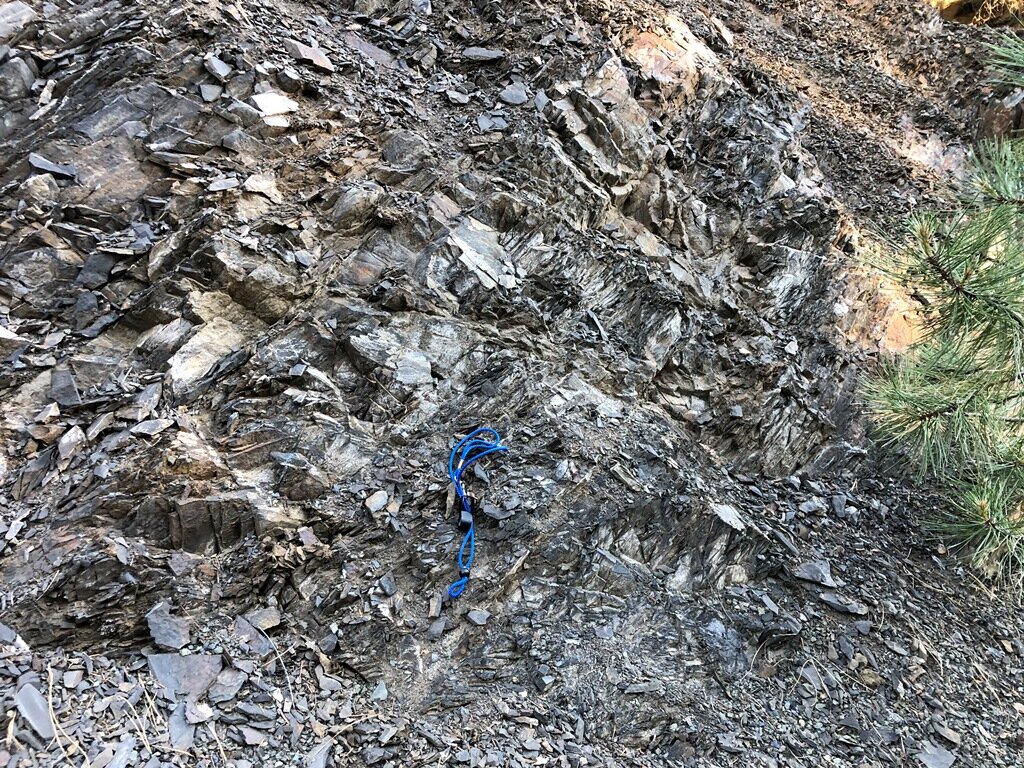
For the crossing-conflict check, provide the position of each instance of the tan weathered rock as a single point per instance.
(211, 342)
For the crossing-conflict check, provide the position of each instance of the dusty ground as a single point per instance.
(251, 290)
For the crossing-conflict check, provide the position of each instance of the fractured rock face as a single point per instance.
(603, 126)
(14, 17)
(16, 79)
(261, 265)
(197, 356)
(355, 206)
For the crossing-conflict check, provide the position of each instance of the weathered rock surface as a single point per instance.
(261, 263)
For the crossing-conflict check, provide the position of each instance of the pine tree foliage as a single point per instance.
(955, 400)
(1006, 55)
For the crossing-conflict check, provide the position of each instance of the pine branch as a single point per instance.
(955, 401)
(1006, 59)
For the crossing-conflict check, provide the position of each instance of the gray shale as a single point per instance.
(260, 262)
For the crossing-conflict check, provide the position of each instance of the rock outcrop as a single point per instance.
(261, 262)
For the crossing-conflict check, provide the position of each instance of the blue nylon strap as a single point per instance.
(466, 452)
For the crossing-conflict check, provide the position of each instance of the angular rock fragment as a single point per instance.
(16, 79)
(308, 54)
(264, 618)
(729, 515)
(934, 756)
(271, 103)
(844, 604)
(229, 682)
(252, 737)
(405, 149)
(143, 404)
(212, 523)
(196, 713)
(42, 189)
(301, 480)
(43, 165)
(818, 571)
(96, 270)
(481, 252)
(63, 388)
(46, 434)
(483, 54)
(217, 67)
(514, 94)
(123, 754)
(210, 92)
(33, 707)
(14, 17)
(264, 184)
(109, 118)
(492, 122)
(160, 342)
(377, 501)
(317, 757)
(167, 631)
(99, 425)
(355, 206)
(437, 628)
(369, 50)
(10, 342)
(253, 640)
(71, 443)
(201, 352)
(182, 733)
(223, 183)
(185, 676)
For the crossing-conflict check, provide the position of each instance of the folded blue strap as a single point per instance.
(466, 452)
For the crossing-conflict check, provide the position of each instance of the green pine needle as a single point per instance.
(1006, 59)
(999, 172)
(929, 403)
(986, 520)
(955, 401)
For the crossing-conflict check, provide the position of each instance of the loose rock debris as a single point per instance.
(259, 260)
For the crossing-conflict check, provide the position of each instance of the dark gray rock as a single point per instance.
(844, 604)
(514, 94)
(16, 79)
(185, 676)
(934, 756)
(217, 67)
(253, 640)
(57, 170)
(487, 55)
(167, 631)
(182, 734)
(387, 583)
(227, 685)
(33, 707)
(318, 756)
(818, 571)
